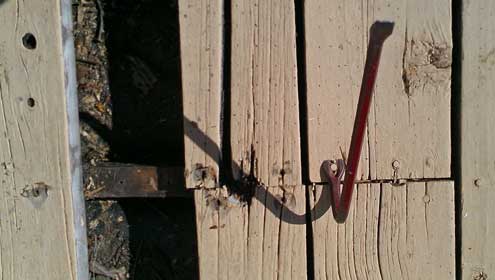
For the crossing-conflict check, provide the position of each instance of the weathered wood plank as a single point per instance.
(207, 223)
(477, 140)
(392, 232)
(263, 240)
(264, 101)
(201, 61)
(42, 220)
(410, 118)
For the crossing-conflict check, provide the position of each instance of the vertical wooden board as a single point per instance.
(292, 245)
(271, 234)
(324, 253)
(350, 250)
(264, 101)
(233, 239)
(201, 62)
(256, 235)
(42, 220)
(398, 232)
(336, 44)
(392, 229)
(431, 238)
(417, 231)
(207, 223)
(410, 118)
(263, 240)
(476, 140)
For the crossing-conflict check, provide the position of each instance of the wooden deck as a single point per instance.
(269, 92)
(402, 221)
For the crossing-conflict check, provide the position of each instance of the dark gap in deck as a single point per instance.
(302, 90)
(303, 117)
(456, 127)
(226, 176)
(142, 39)
(163, 239)
(144, 73)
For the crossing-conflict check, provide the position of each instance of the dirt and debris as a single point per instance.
(127, 55)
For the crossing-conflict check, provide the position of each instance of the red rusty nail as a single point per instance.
(379, 31)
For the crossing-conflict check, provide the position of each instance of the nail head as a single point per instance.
(395, 164)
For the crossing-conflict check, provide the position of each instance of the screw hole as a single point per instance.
(29, 41)
(31, 102)
(121, 182)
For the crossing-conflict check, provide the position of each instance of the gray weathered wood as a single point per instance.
(477, 140)
(392, 232)
(265, 112)
(410, 116)
(261, 241)
(201, 61)
(42, 220)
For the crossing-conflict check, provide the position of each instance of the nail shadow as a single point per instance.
(271, 202)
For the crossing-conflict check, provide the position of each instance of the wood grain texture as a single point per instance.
(264, 101)
(201, 62)
(42, 221)
(410, 117)
(264, 240)
(392, 232)
(477, 140)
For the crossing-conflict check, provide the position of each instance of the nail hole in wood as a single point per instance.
(29, 41)
(31, 102)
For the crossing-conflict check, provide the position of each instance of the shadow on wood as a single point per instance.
(262, 195)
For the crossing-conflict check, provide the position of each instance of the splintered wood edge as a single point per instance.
(74, 146)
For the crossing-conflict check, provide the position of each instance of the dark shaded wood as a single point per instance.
(117, 180)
